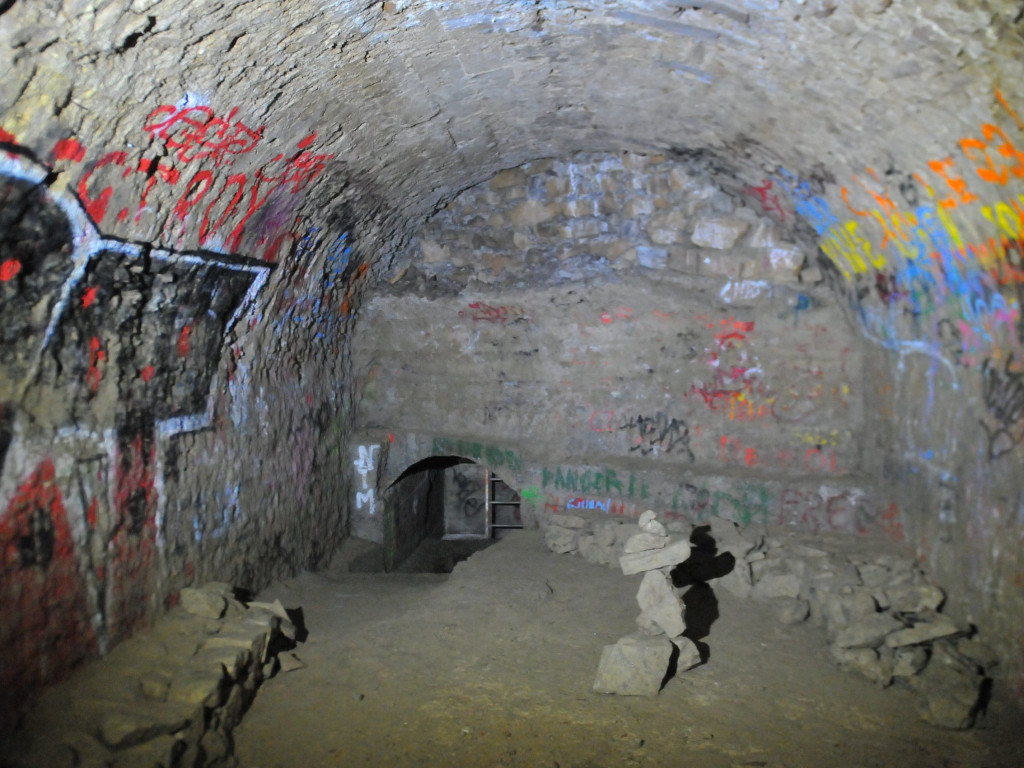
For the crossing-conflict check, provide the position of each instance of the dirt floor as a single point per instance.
(493, 665)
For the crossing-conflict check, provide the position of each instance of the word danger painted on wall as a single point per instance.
(364, 465)
(214, 204)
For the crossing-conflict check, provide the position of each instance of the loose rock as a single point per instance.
(639, 562)
(634, 666)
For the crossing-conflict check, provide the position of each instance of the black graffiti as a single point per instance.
(467, 492)
(1003, 390)
(659, 433)
(37, 547)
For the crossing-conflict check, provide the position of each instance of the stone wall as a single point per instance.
(639, 338)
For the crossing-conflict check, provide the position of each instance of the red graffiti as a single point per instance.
(8, 269)
(89, 296)
(184, 341)
(147, 373)
(133, 544)
(46, 629)
(69, 149)
(769, 202)
(195, 133)
(488, 314)
(622, 313)
(601, 421)
(96, 356)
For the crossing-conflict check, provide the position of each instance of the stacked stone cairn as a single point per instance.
(881, 615)
(639, 664)
(167, 698)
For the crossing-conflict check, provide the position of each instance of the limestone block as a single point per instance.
(949, 689)
(663, 235)
(868, 632)
(867, 661)
(122, 728)
(650, 560)
(774, 585)
(659, 601)
(232, 659)
(908, 661)
(718, 233)
(561, 540)
(738, 581)
(782, 262)
(638, 206)
(648, 523)
(909, 598)
(221, 588)
(923, 632)
(193, 687)
(634, 666)
(689, 653)
(651, 258)
(643, 542)
(510, 177)
(530, 213)
(202, 603)
(790, 610)
(648, 626)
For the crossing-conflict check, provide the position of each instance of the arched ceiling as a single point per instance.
(413, 101)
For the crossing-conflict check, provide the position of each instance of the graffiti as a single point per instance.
(923, 261)
(492, 455)
(604, 482)
(92, 288)
(364, 465)
(622, 313)
(215, 205)
(1003, 391)
(770, 202)
(90, 293)
(848, 510)
(602, 421)
(468, 490)
(659, 433)
(46, 629)
(604, 506)
(195, 133)
(480, 312)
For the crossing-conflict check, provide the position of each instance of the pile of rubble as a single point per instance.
(170, 696)
(881, 614)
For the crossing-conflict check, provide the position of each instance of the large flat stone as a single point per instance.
(650, 560)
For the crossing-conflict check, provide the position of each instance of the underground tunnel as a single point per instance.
(295, 296)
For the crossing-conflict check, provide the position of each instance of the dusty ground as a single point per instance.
(493, 666)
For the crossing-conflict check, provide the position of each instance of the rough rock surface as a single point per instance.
(634, 666)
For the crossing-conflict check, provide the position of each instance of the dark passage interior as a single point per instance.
(289, 289)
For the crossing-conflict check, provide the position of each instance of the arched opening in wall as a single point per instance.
(441, 510)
